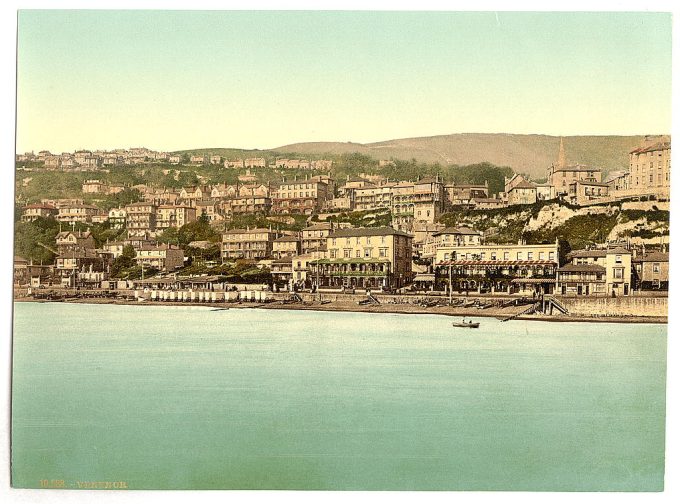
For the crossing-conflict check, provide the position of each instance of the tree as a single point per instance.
(124, 261)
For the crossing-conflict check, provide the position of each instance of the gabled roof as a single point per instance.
(587, 253)
(524, 185)
(655, 147)
(81, 235)
(321, 226)
(44, 206)
(653, 257)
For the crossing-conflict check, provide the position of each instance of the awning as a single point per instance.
(424, 277)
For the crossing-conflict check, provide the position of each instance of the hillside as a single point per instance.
(530, 154)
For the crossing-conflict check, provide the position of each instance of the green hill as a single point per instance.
(530, 154)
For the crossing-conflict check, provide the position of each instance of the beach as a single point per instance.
(349, 303)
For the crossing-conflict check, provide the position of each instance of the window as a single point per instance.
(551, 256)
(656, 267)
(383, 253)
(506, 255)
(519, 256)
(358, 253)
(493, 256)
(368, 252)
(618, 259)
(530, 255)
(541, 256)
(618, 273)
(348, 253)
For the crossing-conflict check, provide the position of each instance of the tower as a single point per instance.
(561, 157)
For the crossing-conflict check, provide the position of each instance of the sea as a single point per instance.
(168, 397)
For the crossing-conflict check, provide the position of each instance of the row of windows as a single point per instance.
(294, 194)
(519, 256)
(348, 241)
(358, 253)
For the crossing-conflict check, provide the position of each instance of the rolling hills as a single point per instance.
(530, 154)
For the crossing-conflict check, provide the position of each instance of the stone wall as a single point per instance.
(634, 306)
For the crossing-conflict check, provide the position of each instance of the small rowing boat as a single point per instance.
(470, 324)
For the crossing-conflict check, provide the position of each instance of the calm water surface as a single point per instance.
(185, 397)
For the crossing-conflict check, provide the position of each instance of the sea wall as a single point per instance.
(634, 306)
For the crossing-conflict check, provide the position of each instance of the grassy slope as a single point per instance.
(524, 153)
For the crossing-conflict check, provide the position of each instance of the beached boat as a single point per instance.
(471, 325)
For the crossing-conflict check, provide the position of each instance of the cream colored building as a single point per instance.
(560, 174)
(286, 246)
(176, 216)
(452, 237)
(583, 192)
(604, 272)
(650, 169)
(77, 213)
(314, 237)
(140, 220)
(365, 258)
(255, 243)
(37, 210)
(256, 163)
(163, 257)
(512, 269)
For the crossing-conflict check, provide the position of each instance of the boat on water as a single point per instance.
(466, 323)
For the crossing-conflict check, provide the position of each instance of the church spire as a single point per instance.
(561, 157)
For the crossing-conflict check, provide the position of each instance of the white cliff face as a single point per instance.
(619, 231)
(620, 228)
(555, 215)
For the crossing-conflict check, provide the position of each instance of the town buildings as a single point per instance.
(603, 272)
(560, 174)
(38, 210)
(465, 194)
(650, 271)
(650, 169)
(314, 237)
(300, 196)
(521, 268)
(140, 220)
(176, 216)
(78, 212)
(365, 258)
(163, 257)
(286, 246)
(255, 243)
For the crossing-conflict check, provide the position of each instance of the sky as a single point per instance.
(172, 80)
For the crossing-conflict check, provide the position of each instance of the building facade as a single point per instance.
(364, 258)
(256, 243)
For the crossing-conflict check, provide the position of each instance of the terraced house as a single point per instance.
(493, 268)
(365, 258)
(300, 196)
(255, 243)
(603, 272)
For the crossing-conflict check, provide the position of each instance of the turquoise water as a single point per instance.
(185, 397)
